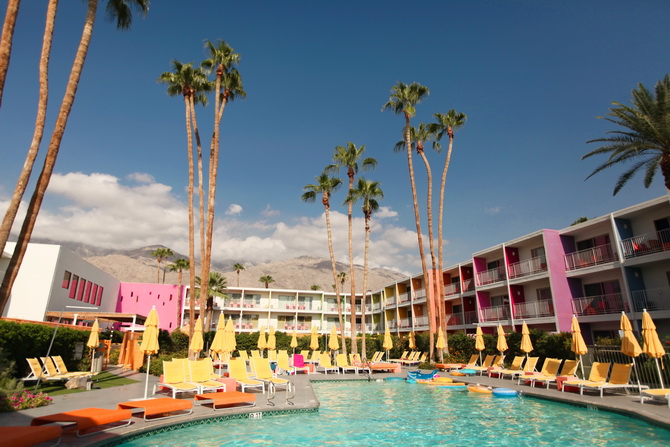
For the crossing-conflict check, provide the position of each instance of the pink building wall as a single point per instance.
(562, 296)
(139, 298)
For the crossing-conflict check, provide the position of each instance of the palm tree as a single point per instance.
(369, 192)
(6, 41)
(446, 125)
(348, 157)
(645, 137)
(238, 268)
(224, 58)
(341, 278)
(24, 177)
(404, 99)
(266, 279)
(216, 285)
(120, 11)
(161, 254)
(179, 265)
(326, 186)
(180, 81)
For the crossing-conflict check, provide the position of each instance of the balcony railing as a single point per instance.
(468, 285)
(419, 295)
(420, 322)
(651, 299)
(612, 303)
(403, 297)
(452, 289)
(491, 276)
(390, 302)
(601, 254)
(528, 267)
(534, 309)
(404, 323)
(495, 313)
(646, 244)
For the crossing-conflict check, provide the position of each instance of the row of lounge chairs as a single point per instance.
(52, 369)
(408, 358)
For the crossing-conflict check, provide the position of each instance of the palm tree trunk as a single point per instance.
(24, 177)
(50, 160)
(439, 231)
(417, 218)
(6, 41)
(191, 219)
(365, 288)
(336, 282)
(352, 299)
(179, 280)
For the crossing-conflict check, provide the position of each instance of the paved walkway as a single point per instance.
(305, 400)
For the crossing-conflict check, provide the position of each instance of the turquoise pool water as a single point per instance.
(400, 414)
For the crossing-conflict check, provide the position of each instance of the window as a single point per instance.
(544, 294)
(94, 293)
(66, 280)
(99, 299)
(593, 242)
(80, 289)
(73, 286)
(87, 295)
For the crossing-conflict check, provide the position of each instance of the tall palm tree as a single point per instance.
(266, 279)
(223, 57)
(348, 158)
(180, 81)
(179, 265)
(445, 124)
(161, 254)
(403, 100)
(26, 171)
(238, 268)
(341, 277)
(216, 286)
(368, 192)
(120, 11)
(6, 41)
(326, 186)
(644, 136)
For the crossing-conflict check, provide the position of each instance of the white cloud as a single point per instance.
(385, 212)
(234, 209)
(141, 177)
(493, 210)
(269, 212)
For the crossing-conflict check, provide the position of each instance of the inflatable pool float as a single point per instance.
(394, 378)
(439, 383)
(442, 379)
(469, 372)
(458, 373)
(504, 392)
(454, 386)
(480, 389)
(418, 375)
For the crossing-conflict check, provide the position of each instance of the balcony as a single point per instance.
(646, 244)
(461, 318)
(403, 297)
(404, 323)
(495, 313)
(528, 267)
(491, 276)
(601, 254)
(452, 289)
(612, 303)
(534, 309)
(468, 285)
(420, 295)
(652, 299)
(420, 323)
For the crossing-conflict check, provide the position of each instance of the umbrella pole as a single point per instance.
(581, 365)
(146, 382)
(660, 376)
(637, 376)
(92, 354)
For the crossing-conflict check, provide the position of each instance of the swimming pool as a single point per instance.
(396, 413)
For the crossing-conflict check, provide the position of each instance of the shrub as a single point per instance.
(22, 400)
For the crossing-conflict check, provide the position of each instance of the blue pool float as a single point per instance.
(468, 372)
(454, 387)
(394, 378)
(504, 392)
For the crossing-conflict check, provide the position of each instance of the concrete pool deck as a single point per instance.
(305, 400)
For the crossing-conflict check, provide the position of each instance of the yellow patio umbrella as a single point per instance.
(197, 342)
(412, 341)
(440, 340)
(333, 344)
(652, 344)
(526, 344)
(149, 345)
(93, 339)
(479, 342)
(314, 341)
(262, 344)
(502, 341)
(294, 340)
(272, 339)
(230, 342)
(388, 341)
(218, 344)
(578, 346)
(629, 344)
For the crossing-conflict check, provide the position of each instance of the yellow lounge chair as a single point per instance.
(655, 394)
(174, 379)
(272, 355)
(244, 355)
(417, 360)
(343, 365)
(568, 369)
(62, 369)
(326, 365)
(528, 367)
(411, 358)
(238, 371)
(486, 364)
(50, 368)
(402, 358)
(619, 378)
(37, 372)
(314, 358)
(305, 354)
(598, 374)
(355, 359)
(514, 367)
(200, 375)
(549, 368)
(264, 373)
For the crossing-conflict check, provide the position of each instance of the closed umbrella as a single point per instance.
(388, 341)
(294, 341)
(218, 344)
(93, 340)
(479, 342)
(526, 344)
(440, 340)
(578, 346)
(629, 344)
(230, 342)
(262, 344)
(149, 345)
(502, 341)
(314, 342)
(197, 342)
(272, 339)
(333, 344)
(652, 344)
(412, 341)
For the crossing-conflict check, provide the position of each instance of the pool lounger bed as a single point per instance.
(218, 400)
(87, 420)
(162, 408)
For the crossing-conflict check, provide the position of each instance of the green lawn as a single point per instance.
(102, 380)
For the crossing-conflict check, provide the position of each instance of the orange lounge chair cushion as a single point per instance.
(154, 407)
(382, 366)
(28, 436)
(86, 417)
(227, 398)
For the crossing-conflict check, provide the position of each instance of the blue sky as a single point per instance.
(532, 76)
